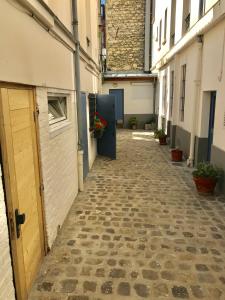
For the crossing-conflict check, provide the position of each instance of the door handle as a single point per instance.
(20, 220)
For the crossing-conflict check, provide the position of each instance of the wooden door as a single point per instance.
(22, 184)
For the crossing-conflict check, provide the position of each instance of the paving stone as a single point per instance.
(89, 286)
(106, 288)
(201, 268)
(149, 274)
(180, 292)
(124, 289)
(141, 290)
(68, 285)
(197, 291)
(45, 286)
(117, 273)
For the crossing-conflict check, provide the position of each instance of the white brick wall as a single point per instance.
(6, 279)
(58, 163)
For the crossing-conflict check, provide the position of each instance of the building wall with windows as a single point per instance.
(42, 57)
(198, 43)
(88, 14)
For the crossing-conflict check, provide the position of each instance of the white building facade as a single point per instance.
(38, 83)
(188, 55)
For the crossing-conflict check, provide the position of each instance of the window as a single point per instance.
(164, 108)
(57, 109)
(165, 27)
(201, 8)
(153, 11)
(160, 34)
(157, 34)
(172, 22)
(182, 94)
(92, 110)
(171, 92)
(186, 15)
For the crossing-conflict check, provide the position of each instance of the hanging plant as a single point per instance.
(99, 126)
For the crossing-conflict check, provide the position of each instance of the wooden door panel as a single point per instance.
(22, 156)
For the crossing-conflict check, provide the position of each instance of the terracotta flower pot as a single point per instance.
(177, 155)
(162, 140)
(205, 185)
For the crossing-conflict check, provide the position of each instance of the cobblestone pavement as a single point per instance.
(138, 231)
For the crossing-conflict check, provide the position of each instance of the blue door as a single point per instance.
(106, 109)
(84, 136)
(119, 104)
(211, 123)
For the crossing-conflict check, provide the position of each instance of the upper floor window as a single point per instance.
(165, 27)
(171, 92)
(186, 15)
(172, 22)
(160, 34)
(57, 109)
(153, 11)
(157, 34)
(182, 92)
(201, 8)
(164, 108)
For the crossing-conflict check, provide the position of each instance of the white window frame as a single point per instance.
(57, 97)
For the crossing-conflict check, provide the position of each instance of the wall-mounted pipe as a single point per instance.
(76, 59)
(147, 35)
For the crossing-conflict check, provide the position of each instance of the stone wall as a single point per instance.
(125, 34)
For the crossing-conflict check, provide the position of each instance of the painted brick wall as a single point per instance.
(6, 279)
(125, 34)
(59, 164)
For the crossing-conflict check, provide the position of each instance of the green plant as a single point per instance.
(159, 134)
(207, 170)
(132, 121)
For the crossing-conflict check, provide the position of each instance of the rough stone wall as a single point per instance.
(125, 30)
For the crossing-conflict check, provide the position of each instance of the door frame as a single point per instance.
(15, 245)
(122, 99)
(86, 119)
(211, 123)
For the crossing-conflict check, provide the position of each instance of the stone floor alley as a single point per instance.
(139, 230)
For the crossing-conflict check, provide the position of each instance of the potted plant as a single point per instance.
(161, 135)
(99, 126)
(151, 124)
(206, 176)
(176, 155)
(133, 123)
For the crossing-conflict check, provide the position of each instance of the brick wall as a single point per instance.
(6, 279)
(125, 33)
(58, 163)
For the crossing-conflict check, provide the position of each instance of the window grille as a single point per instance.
(183, 92)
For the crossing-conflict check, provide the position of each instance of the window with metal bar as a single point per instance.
(171, 92)
(183, 92)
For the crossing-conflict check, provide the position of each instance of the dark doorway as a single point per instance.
(211, 123)
(119, 105)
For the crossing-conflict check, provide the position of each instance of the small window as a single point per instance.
(160, 34)
(57, 109)
(165, 27)
(183, 92)
(171, 92)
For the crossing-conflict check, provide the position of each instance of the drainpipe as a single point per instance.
(190, 161)
(147, 35)
(76, 61)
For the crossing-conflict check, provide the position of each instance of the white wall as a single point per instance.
(6, 279)
(58, 163)
(138, 96)
(29, 54)
(213, 79)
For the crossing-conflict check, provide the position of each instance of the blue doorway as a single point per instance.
(119, 104)
(211, 123)
(84, 137)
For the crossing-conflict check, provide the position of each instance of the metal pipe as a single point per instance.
(76, 59)
(147, 35)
